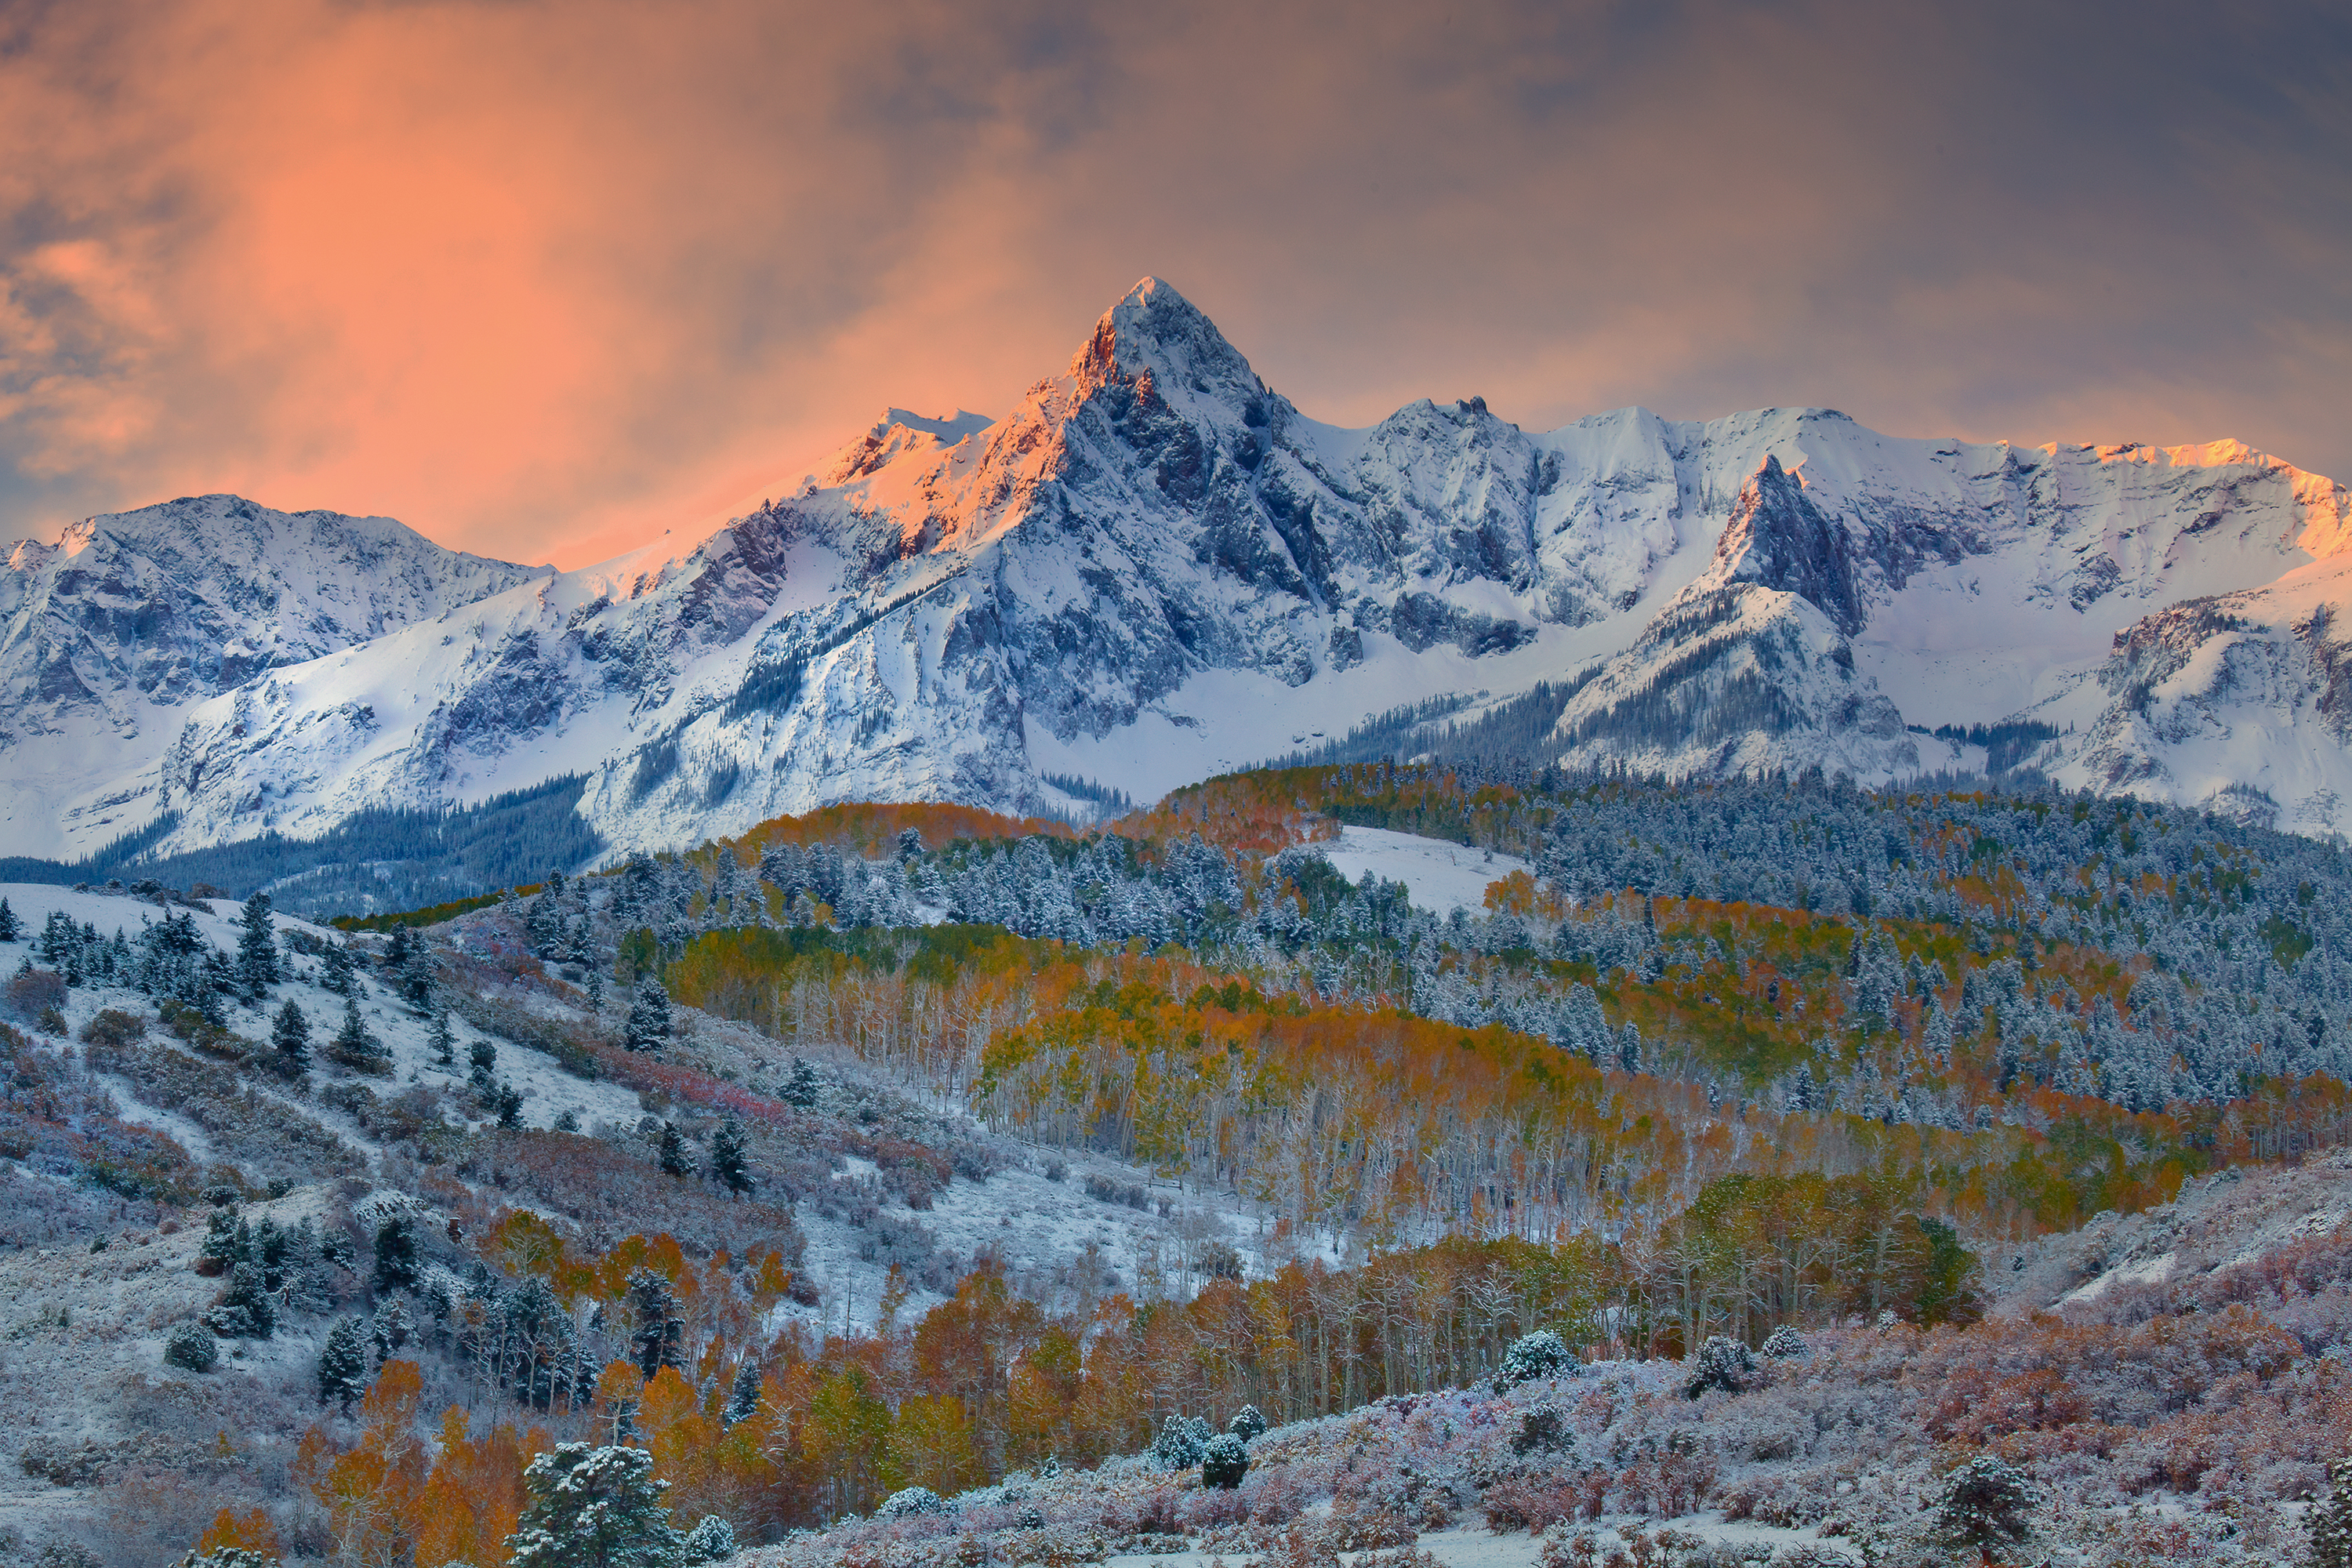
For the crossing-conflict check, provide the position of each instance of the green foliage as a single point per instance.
(341, 1371)
(594, 1508)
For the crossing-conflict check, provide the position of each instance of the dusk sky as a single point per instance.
(542, 280)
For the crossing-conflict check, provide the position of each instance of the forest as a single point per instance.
(1727, 1064)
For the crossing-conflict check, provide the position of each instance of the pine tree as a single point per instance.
(11, 928)
(801, 1088)
(1984, 1504)
(395, 955)
(353, 1041)
(416, 979)
(506, 1104)
(596, 989)
(659, 1337)
(673, 1161)
(257, 948)
(395, 1253)
(594, 1508)
(343, 1365)
(291, 1034)
(444, 1039)
(483, 1057)
(744, 1393)
(2329, 1524)
(389, 1327)
(648, 1016)
(727, 1161)
(335, 970)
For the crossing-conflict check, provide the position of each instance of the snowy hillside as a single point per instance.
(1155, 569)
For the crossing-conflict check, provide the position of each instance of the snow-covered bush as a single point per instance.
(712, 1541)
(1785, 1344)
(1542, 1427)
(593, 1505)
(1984, 1503)
(1723, 1363)
(1248, 1423)
(914, 1502)
(191, 1345)
(1224, 1459)
(1539, 1355)
(1182, 1441)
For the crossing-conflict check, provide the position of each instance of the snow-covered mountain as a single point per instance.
(1155, 569)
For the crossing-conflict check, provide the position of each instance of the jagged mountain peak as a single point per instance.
(1157, 333)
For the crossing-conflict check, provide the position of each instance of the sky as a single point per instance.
(543, 279)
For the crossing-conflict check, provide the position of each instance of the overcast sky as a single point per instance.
(541, 279)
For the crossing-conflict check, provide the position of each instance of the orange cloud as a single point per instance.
(542, 279)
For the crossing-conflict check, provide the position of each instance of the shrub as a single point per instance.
(191, 1347)
(113, 1026)
(1983, 1504)
(1224, 1459)
(1723, 1363)
(1248, 1423)
(1785, 1344)
(914, 1502)
(1541, 1428)
(1182, 1441)
(712, 1541)
(1530, 1503)
(31, 992)
(1539, 1355)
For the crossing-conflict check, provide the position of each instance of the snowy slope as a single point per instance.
(1155, 569)
(1443, 877)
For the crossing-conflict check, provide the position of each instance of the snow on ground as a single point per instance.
(548, 1091)
(1444, 875)
(1474, 1546)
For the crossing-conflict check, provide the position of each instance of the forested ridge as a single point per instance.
(1726, 1064)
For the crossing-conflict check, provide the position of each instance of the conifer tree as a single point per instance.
(335, 969)
(395, 1253)
(596, 989)
(1984, 1504)
(743, 1394)
(11, 928)
(290, 1034)
(352, 1039)
(801, 1088)
(257, 948)
(659, 1337)
(594, 1508)
(2329, 1523)
(343, 1365)
(444, 1039)
(649, 1016)
(483, 1058)
(673, 1161)
(726, 1159)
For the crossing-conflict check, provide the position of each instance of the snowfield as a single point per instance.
(1444, 875)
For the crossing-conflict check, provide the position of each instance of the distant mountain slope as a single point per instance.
(1155, 569)
(111, 634)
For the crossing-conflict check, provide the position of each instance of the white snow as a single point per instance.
(1444, 875)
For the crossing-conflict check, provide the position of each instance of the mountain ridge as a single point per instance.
(1155, 568)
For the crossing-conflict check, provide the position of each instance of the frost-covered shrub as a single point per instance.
(1224, 1459)
(1984, 1503)
(1542, 1427)
(1248, 1423)
(1723, 1363)
(712, 1541)
(1182, 1441)
(914, 1502)
(1887, 1319)
(1785, 1344)
(190, 1345)
(1539, 1355)
(1534, 1504)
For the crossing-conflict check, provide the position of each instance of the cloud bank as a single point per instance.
(541, 279)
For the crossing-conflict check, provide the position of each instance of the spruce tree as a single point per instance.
(1984, 1505)
(727, 1161)
(506, 1104)
(2329, 1523)
(257, 948)
(444, 1039)
(11, 928)
(659, 1337)
(801, 1088)
(335, 970)
(353, 1041)
(596, 989)
(291, 1034)
(594, 1508)
(389, 1327)
(743, 1395)
(673, 1161)
(395, 1253)
(648, 1016)
(483, 1055)
(343, 1365)
(415, 977)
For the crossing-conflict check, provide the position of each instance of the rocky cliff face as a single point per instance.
(1155, 568)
